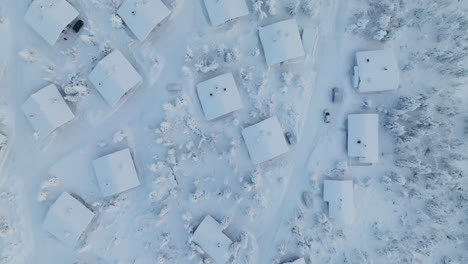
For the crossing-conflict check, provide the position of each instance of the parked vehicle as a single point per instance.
(77, 26)
(326, 116)
(174, 87)
(337, 96)
(307, 199)
(290, 138)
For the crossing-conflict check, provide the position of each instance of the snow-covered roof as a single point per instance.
(114, 76)
(281, 41)
(221, 11)
(340, 198)
(265, 140)
(377, 70)
(50, 17)
(67, 219)
(116, 172)
(363, 137)
(309, 39)
(46, 110)
(210, 237)
(297, 261)
(142, 16)
(219, 96)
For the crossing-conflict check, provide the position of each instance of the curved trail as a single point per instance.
(327, 65)
(18, 240)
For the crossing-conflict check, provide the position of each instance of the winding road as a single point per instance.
(330, 72)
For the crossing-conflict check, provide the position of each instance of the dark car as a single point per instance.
(326, 116)
(337, 96)
(290, 138)
(78, 25)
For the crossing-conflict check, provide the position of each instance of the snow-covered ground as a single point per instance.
(410, 206)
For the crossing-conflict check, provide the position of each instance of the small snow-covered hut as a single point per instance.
(376, 71)
(142, 16)
(265, 140)
(340, 198)
(50, 17)
(114, 76)
(219, 96)
(281, 41)
(221, 11)
(363, 138)
(210, 237)
(46, 110)
(67, 219)
(116, 173)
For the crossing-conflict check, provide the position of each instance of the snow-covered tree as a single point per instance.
(293, 7)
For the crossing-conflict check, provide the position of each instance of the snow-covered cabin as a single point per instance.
(265, 140)
(376, 71)
(210, 237)
(50, 17)
(219, 96)
(142, 16)
(116, 172)
(363, 137)
(67, 219)
(340, 198)
(46, 110)
(114, 76)
(221, 11)
(297, 261)
(281, 41)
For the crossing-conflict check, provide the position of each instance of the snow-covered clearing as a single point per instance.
(409, 207)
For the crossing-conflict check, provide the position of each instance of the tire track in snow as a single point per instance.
(15, 245)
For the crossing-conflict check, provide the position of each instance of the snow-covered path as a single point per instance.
(17, 241)
(330, 72)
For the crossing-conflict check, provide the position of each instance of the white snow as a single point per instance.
(142, 16)
(309, 39)
(3, 139)
(210, 237)
(4, 45)
(219, 96)
(378, 71)
(46, 110)
(188, 167)
(281, 41)
(114, 76)
(340, 198)
(116, 172)
(265, 140)
(221, 11)
(67, 219)
(363, 137)
(50, 17)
